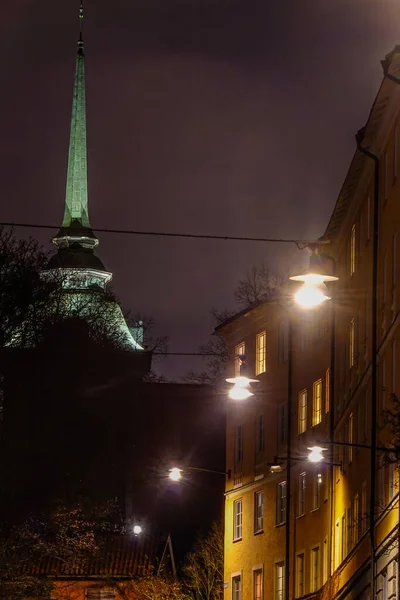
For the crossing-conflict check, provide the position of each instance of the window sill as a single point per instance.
(280, 524)
(301, 516)
(237, 540)
(315, 509)
(259, 532)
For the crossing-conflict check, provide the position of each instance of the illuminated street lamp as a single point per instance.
(175, 474)
(316, 455)
(241, 384)
(137, 529)
(241, 387)
(314, 292)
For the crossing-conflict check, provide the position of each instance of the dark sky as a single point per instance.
(231, 117)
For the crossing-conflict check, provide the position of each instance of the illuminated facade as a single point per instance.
(338, 371)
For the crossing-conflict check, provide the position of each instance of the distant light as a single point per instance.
(316, 455)
(275, 468)
(175, 474)
(137, 529)
(319, 478)
(310, 295)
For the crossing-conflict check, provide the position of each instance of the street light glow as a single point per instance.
(311, 295)
(137, 529)
(175, 474)
(241, 387)
(316, 455)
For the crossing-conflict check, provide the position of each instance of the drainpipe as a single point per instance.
(331, 566)
(374, 320)
(288, 462)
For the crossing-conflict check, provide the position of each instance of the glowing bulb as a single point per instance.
(239, 393)
(175, 474)
(310, 295)
(137, 529)
(316, 454)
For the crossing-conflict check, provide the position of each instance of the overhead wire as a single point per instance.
(301, 244)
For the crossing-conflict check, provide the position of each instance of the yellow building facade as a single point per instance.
(328, 378)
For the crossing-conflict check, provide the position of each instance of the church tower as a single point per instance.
(75, 265)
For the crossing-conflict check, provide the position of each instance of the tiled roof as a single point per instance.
(122, 556)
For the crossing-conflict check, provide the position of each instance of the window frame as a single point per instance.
(240, 350)
(258, 571)
(300, 585)
(258, 507)
(315, 568)
(237, 519)
(302, 494)
(317, 403)
(261, 352)
(281, 499)
(353, 247)
(236, 594)
(279, 576)
(302, 411)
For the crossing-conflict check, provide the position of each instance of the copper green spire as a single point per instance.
(76, 225)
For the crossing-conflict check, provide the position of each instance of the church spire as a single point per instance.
(76, 225)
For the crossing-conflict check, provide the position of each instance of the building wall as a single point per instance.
(364, 482)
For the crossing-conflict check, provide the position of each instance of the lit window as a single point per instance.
(281, 503)
(315, 568)
(353, 250)
(258, 512)
(317, 402)
(240, 350)
(302, 411)
(317, 490)
(302, 494)
(327, 389)
(279, 580)
(261, 352)
(237, 588)
(352, 342)
(257, 584)
(237, 520)
(299, 575)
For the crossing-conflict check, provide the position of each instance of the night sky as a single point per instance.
(232, 117)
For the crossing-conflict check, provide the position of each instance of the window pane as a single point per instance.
(240, 350)
(237, 519)
(261, 352)
(258, 511)
(258, 584)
